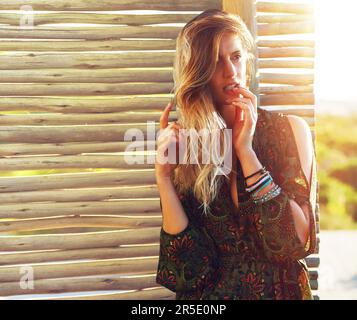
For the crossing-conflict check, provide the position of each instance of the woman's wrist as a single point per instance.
(163, 180)
(245, 152)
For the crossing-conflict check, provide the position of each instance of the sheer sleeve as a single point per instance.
(274, 221)
(186, 259)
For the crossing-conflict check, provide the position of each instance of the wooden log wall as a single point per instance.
(71, 86)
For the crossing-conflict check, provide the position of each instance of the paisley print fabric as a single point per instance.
(253, 251)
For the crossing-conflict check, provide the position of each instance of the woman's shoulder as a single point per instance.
(269, 119)
(275, 127)
(273, 140)
(282, 127)
(270, 127)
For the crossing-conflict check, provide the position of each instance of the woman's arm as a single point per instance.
(187, 255)
(173, 215)
(250, 164)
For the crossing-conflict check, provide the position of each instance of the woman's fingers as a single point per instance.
(164, 119)
(170, 137)
(168, 131)
(246, 96)
(247, 109)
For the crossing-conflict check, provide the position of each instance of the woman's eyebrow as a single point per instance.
(234, 52)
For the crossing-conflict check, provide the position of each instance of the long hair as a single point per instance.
(197, 51)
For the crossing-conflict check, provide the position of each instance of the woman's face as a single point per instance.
(230, 69)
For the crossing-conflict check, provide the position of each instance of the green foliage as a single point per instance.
(336, 152)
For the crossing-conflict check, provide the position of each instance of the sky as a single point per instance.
(335, 50)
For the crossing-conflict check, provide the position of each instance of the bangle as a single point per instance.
(262, 186)
(252, 186)
(261, 170)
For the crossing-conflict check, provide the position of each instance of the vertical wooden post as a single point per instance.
(246, 9)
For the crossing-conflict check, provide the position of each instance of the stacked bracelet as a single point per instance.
(268, 196)
(262, 170)
(259, 182)
(264, 180)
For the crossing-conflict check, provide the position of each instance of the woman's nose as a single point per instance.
(229, 70)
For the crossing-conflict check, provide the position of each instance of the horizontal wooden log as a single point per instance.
(88, 268)
(285, 89)
(81, 285)
(297, 63)
(313, 274)
(80, 269)
(286, 43)
(91, 32)
(111, 5)
(310, 119)
(314, 284)
(287, 99)
(160, 293)
(271, 29)
(92, 60)
(17, 149)
(119, 32)
(13, 18)
(84, 89)
(87, 45)
(75, 133)
(75, 211)
(80, 119)
(287, 52)
(312, 261)
(91, 104)
(110, 75)
(80, 161)
(91, 194)
(79, 221)
(286, 78)
(304, 111)
(86, 254)
(283, 7)
(79, 240)
(157, 293)
(276, 18)
(77, 180)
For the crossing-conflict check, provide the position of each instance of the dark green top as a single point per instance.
(252, 252)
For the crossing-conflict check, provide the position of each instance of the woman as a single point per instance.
(242, 235)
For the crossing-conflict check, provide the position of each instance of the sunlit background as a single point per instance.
(335, 24)
(336, 116)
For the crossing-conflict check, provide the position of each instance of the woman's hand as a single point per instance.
(168, 138)
(245, 119)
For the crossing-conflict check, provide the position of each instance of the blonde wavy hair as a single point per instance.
(197, 51)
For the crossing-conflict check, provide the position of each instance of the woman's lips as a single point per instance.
(232, 91)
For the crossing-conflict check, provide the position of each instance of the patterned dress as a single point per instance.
(250, 252)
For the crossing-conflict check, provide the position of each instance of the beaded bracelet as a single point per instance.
(269, 195)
